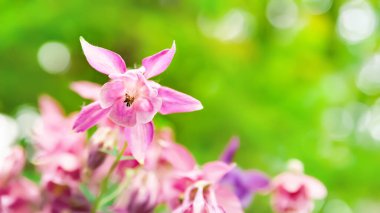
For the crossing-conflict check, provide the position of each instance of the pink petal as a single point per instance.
(228, 200)
(139, 138)
(214, 171)
(86, 89)
(315, 188)
(158, 62)
(111, 92)
(103, 60)
(68, 161)
(50, 110)
(147, 109)
(89, 116)
(179, 157)
(289, 181)
(174, 101)
(123, 115)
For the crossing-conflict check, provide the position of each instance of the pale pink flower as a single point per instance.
(11, 164)
(17, 194)
(166, 159)
(203, 193)
(129, 99)
(142, 194)
(294, 192)
(59, 150)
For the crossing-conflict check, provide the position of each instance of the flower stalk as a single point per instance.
(105, 181)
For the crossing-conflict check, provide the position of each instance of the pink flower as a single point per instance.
(294, 192)
(20, 195)
(11, 165)
(17, 194)
(59, 150)
(166, 159)
(142, 194)
(203, 193)
(139, 136)
(129, 99)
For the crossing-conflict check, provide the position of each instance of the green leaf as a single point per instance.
(87, 193)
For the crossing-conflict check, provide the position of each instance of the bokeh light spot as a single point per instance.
(369, 76)
(356, 21)
(317, 6)
(54, 57)
(282, 14)
(9, 132)
(235, 25)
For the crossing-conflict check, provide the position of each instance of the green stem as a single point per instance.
(104, 184)
(119, 190)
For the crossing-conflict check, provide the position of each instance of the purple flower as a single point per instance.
(244, 183)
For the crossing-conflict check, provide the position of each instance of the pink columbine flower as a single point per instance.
(142, 194)
(151, 184)
(20, 195)
(130, 99)
(294, 192)
(203, 193)
(110, 134)
(59, 150)
(12, 163)
(17, 194)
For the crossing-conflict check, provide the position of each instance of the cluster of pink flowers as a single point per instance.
(124, 164)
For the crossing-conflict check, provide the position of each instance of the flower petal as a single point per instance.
(228, 200)
(214, 171)
(89, 116)
(103, 60)
(175, 102)
(255, 180)
(86, 89)
(50, 110)
(179, 157)
(289, 181)
(158, 62)
(229, 151)
(147, 109)
(111, 92)
(139, 138)
(122, 114)
(315, 188)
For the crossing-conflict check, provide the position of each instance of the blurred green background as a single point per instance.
(294, 79)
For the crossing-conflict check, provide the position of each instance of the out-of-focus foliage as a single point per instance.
(287, 80)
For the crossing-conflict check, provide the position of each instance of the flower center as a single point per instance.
(129, 100)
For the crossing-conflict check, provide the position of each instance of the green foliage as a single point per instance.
(267, 88)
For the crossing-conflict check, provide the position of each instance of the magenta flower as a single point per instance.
(129, 98)
(294, 192)
(245, 183)
(139, 136)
